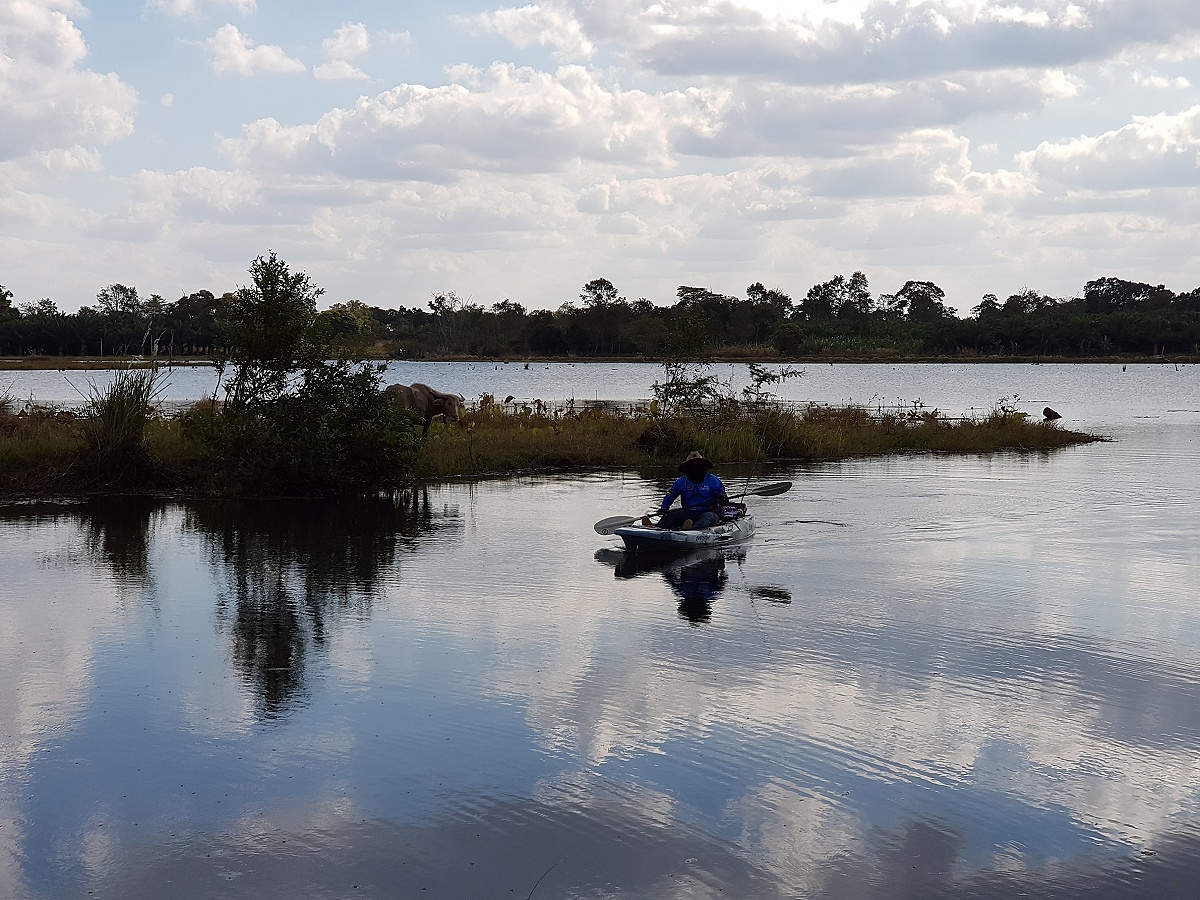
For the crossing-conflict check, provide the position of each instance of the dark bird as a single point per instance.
(1050, 414)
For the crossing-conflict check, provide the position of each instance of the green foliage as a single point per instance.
(336, 433)
(267, 331)
(838, 317)
(295, 422)
(686, 386)
(116, 420)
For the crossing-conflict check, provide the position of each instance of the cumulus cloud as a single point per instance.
(232, 53)
(1151, 151)
(339, 70)
(927, 162)
(772, 119)
(349, 42)
(1160, 82)
(203, 191)
(538, 25)
(46, 99)
(886, 40)
(505, 118)
(193, 8)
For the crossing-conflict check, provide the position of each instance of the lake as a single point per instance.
(926, 676)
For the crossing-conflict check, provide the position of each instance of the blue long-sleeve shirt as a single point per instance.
(702, 496)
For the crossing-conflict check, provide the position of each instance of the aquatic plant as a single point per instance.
(116, 417)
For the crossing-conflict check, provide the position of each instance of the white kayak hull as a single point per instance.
(638, 537)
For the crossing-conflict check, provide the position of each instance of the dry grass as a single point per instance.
(491, 441)
(46, 453)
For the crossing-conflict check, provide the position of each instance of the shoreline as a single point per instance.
(76, 363)
(46, 454)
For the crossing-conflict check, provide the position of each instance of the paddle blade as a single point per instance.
(610, 525)
(770, 490)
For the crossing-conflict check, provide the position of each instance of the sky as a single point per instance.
(394, 150)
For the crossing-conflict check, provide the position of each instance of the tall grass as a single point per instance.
(120, 444)
(492, 440)
(116, 418)
(37, 448)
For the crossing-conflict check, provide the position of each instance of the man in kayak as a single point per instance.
(700, 494)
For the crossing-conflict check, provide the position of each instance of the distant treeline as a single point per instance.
(839, 316)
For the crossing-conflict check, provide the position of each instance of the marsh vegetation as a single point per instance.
(290, 417)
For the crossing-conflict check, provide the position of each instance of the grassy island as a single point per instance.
(295, 419)
(491, 440)
(119, 445)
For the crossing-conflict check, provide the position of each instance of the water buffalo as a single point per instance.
(427, 402)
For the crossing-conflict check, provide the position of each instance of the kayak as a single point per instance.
(639, 537)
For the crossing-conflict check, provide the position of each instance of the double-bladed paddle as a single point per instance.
(610, 525)
(770, 490)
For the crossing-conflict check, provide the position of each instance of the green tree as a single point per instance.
(296, 421)
(118, 298)
(266, 331)
(988, 309)
(823, 300)
(856, 302)
(924, 301)
(599, 292)
(768, 308)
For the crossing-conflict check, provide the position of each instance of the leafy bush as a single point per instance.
(336, 433)
(294, 421)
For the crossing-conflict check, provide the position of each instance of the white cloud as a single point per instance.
(539, 25)
(506, 119)
(1160, 82)
(193, 8)
(1151, 151)
(350, 41)
(204, 191)
(885, 40)
(46, 100)
(232, 53)
(925, 162)
(338, 70)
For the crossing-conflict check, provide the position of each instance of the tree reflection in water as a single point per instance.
(115, 531)
(292, 568)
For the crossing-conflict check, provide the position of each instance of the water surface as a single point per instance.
(926, 677)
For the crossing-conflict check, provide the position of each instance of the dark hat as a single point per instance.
(692, 457)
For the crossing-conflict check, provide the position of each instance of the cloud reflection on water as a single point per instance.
(927, 699)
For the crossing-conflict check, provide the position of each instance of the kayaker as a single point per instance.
(700, 494)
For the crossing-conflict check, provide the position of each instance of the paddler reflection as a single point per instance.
(697, 579)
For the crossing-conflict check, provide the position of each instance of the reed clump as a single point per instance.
(117, 443)
(115, 420)
(39, 447)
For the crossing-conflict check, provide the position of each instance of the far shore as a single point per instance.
(92, 363)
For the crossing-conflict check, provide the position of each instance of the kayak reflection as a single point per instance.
(697, 578)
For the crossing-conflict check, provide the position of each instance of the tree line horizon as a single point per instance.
(1113, 316)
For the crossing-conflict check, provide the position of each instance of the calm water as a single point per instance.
(925, 677)
(1101, 394)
